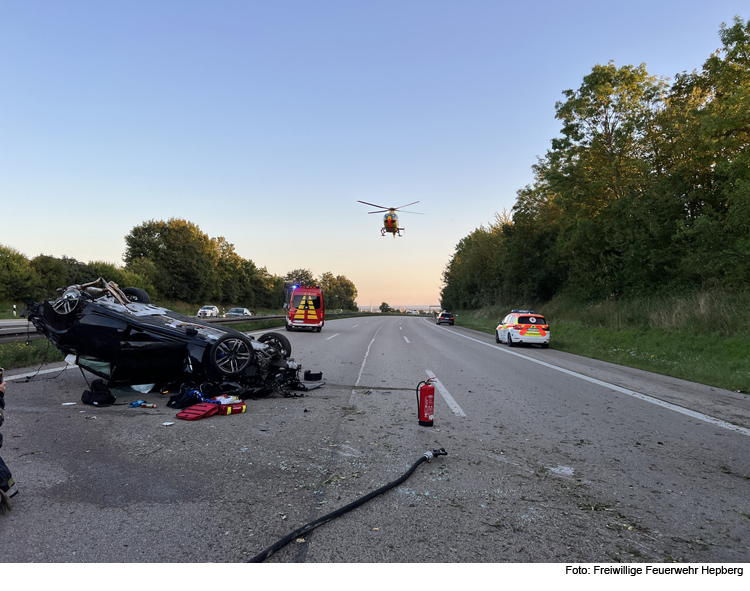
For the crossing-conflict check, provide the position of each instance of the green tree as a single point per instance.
(473, 276)
(17, 278)
(122, 277)
(300, 277)
(229, 272)
(600, 158)
(712, 161)
(185, 258)
(338, 291)
(50, 274)
(385, 308)
(646, 189)
(146, 269)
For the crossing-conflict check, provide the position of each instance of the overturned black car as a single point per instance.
(118, 335)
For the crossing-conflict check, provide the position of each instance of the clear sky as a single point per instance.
(264, 122)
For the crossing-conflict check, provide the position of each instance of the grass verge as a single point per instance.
(709, 358)
(14, 355)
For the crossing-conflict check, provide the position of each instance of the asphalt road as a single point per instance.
(551, 458)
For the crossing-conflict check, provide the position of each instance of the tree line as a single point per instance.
(171, 260)
(646, 190)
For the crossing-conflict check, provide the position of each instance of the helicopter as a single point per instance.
(390, 219)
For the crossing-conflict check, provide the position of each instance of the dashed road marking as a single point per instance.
(645, 397)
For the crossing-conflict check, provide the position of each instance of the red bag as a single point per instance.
(230, 405)
(232, 409)
(198, 411)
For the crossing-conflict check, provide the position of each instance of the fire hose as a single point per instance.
(426, 457)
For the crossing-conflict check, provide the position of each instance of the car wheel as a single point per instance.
(279, 342)
(510, 341)
(497, 337)
(545, 345)
(231, 354)
(135, 294)
(66, 303)
(318, 329)
(288, 328)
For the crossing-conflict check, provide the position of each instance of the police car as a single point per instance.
(523, 327)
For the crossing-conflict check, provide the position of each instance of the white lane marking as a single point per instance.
(645, 397)
(21, 376)
(446, 396)
(407, 340)
(355, 326)
(400, 328)
(335, 335)
(362, 367)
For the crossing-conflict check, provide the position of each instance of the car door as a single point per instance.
(501, 328)
(510, 320)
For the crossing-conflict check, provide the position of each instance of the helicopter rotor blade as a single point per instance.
(407, 205)
(373, 205)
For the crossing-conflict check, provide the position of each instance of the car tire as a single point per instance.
(318, 329)
(231, 354)
(279, 342)
(545, 345)
(136, 294)
(497, 337)
(510, 341)
(288, 328)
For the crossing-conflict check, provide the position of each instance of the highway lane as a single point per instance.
(668, 484)
(543, 465)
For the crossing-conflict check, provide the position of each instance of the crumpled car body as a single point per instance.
(121, 337)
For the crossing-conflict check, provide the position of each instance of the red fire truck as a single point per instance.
(306, 309)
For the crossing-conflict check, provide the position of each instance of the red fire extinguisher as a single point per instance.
(426, 403)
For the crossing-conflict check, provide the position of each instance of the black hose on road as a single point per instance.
(426, 457)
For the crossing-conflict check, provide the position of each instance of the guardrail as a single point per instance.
(23, 332)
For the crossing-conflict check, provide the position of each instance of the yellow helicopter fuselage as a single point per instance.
(390, 224)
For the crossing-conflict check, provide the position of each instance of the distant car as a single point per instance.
(238, 312)
(523, 327)
(444, 317)
(207, 311)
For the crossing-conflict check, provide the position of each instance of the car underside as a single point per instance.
(119, 336)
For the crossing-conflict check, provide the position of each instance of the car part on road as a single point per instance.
(426, 457)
